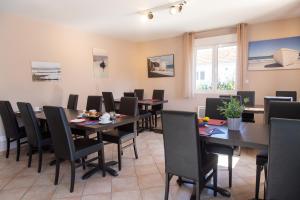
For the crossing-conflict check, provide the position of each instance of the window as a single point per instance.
(215, 61)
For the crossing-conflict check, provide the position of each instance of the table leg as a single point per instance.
(97, 168)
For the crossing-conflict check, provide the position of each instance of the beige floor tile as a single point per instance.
(146, 169)
(39, 193)
(127, 195)
(63, 191)
(152, 180)
(153, 193)
(104, 196)
(19, 182)
(13, 194)
(4, 181)
(147, 160)
(122, 184)
(97, 186)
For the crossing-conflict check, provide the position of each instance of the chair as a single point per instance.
(277, 109)
(36, 137)
(64, 146)
(250, 95)
(212, 105)
(129, 94)
(109, 102)
(72, 102)
(12, 130)
(292, 94)
(284, 160)
(139, 93)
(156, 109)
(267, 101)
(125, 133)
(94, 103)
(184, 153)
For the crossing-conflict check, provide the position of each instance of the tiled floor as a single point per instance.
(139, 179)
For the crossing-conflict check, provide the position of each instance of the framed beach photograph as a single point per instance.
(275, 54)
(161, 66)
(45, 71)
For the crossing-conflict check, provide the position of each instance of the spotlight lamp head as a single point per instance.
(150, 15)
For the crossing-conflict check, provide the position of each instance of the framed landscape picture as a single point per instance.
(161, 66)
(275, 54)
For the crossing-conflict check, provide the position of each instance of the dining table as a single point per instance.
(91, 127)
(257, 109)
(148, 103)
(250, 135)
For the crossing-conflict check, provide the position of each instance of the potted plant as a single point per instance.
(232, 110)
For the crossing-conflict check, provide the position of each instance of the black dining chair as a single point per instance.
(185, 155)
(37, 138)
(94, 103)
(292, 94)
(211, 111)
(250, 96)
(284, 160)
(139, 93)
(267, 101)
(157, 109)
(72, 102)
(65, 148)
(109, 102)
(277, 109)
(125, 133)
(129, 94)
(12, 130)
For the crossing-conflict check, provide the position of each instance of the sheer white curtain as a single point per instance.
(188, 64)
(242, 54)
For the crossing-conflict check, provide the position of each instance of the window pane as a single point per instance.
(227, 68)
(204, 64)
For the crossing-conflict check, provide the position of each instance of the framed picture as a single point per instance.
(161, 66)
(275, 54)
(100, 63)
(45, 71)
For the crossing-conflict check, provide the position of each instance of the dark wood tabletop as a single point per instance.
(255, 109)
(147, 102)
(72, 114)
(250, 135)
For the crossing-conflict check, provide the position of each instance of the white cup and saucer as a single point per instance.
(105, 119)
(37, 109)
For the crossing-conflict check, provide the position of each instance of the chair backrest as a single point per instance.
(250, 95)
(72, 102)
(129, 94)
(139, 93)
(284, 109)
(212, 106)
(267, 101)
(159, 95)
(292, 94)
(9, 120)
(181, 144)
(32, 127)
(61, 134)
(109, 101)
(284, 159)
(94, 103)
(128, 106)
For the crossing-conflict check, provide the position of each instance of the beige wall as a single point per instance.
(25, 40)
(263, 82)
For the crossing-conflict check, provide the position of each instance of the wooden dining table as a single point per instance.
(90, 129)
(250, 135)
(257, 109)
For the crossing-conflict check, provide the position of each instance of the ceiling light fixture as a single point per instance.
(175, 9)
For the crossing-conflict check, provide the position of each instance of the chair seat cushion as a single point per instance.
(209, 161)
(262, 158)
(219, 148)
(84, 147)
(114, 136)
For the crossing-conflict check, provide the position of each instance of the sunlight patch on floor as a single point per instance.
(223, 160)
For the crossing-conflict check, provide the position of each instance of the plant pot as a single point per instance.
(234, 124)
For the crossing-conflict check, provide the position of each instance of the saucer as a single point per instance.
(105, 122)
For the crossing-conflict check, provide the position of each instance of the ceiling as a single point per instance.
(119, 18)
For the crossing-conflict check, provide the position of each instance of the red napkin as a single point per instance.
(216, 122)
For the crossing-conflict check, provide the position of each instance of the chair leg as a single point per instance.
(7, 147)
(215, 180)
(119, 156)
(57, 171)
(18, 149)
(257, 184)
(266, 171)
(167, 185)
(150, 122)
(72, 176)
(135, 150)
(101, 161)
(29, 155)
(155, 120)
(197, 190)
(83, 163)
(40, 159)
(230, 170)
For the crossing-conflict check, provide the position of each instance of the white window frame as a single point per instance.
(214, 43)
